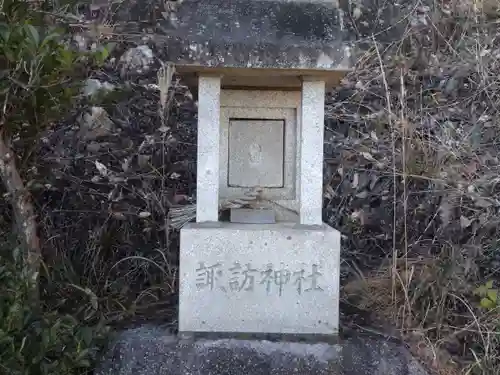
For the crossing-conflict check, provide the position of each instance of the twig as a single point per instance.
(393, 143)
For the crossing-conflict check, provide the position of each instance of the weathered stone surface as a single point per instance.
(152, 351)
(257, 34)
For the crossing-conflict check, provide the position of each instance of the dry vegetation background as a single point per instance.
(414, 176)
(411, 180)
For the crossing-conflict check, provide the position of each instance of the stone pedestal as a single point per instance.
(259, 278)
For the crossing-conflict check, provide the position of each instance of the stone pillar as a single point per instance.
(311, 151)
(207, 181)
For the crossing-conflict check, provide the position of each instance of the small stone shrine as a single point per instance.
(260, 70)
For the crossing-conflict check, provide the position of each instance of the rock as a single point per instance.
(95, 124)
(136, 60)
(80, 42)
(93, 86)
(152, 351)
(93, 147)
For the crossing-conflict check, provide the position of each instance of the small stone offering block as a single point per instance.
(264, 278)
(252, 216)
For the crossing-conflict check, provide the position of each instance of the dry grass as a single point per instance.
(433, 313)
(106, 216)
(435, 146)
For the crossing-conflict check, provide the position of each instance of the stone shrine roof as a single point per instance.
(272, 34)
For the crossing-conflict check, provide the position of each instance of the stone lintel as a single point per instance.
(259, 78)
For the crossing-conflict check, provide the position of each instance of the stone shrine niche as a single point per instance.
(258, 146)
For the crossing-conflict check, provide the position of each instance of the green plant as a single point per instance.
(40, 77)
(488, 295)
(37, 340)
(39, 73)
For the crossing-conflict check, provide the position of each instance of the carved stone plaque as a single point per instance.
(256, 153)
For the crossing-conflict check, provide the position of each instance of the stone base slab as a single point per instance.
(151, 351)
(259, 278)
